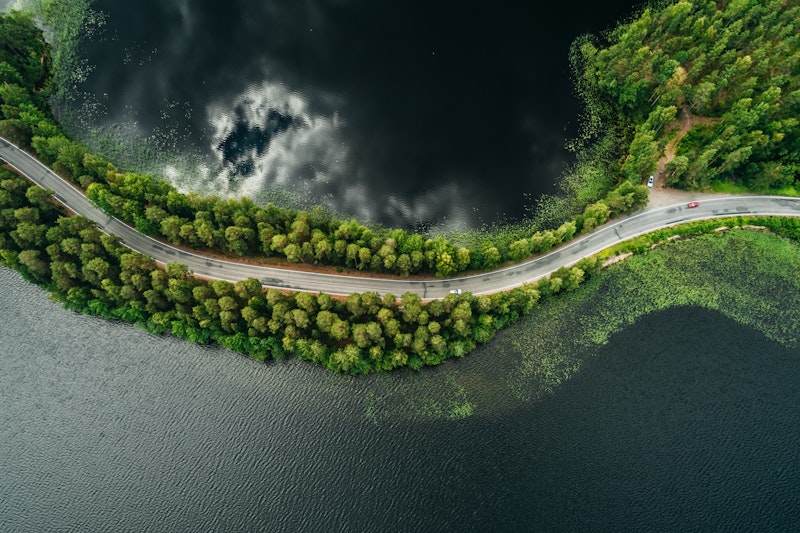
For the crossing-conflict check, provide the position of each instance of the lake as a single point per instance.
(105, 427)
(452, 114)
(406, 115)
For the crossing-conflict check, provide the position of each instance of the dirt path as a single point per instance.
(686, 122)
(661, 195)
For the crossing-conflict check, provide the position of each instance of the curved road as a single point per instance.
(643, 222)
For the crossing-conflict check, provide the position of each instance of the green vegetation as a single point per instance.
(241, 228)
(24, 59)
(726, 72)
(749, 276)
(93, 273)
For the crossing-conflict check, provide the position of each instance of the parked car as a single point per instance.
(692, 204)
(651, 181)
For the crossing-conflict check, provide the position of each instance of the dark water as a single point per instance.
(446, 112)
(103, 427)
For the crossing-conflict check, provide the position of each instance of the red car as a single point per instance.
(692, 204)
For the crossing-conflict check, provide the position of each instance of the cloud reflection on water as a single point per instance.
(395, 113)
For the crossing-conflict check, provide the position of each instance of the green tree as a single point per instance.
(34, 263)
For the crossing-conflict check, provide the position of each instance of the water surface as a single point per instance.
(104, 427)
(446, 112)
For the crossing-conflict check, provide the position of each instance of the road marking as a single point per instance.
(574, 251)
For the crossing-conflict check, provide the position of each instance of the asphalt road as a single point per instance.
(643, 222)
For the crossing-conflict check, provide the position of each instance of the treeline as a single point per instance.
(241, 228)
(735, 64)
(91, 272)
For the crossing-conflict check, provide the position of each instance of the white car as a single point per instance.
(455, 291)
(651, 181)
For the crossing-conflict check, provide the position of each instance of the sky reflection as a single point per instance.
(398, 113)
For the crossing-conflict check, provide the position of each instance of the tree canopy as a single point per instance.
(734, 63)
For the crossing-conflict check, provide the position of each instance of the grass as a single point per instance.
(732, 188)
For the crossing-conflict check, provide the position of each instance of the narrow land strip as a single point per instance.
(648, 220)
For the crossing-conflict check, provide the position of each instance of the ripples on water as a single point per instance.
(104, 427)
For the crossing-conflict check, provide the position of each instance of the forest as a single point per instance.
(728, 71)
(650, 71)
(91, 272)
